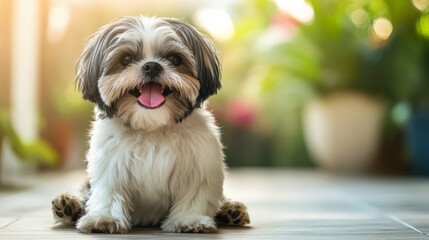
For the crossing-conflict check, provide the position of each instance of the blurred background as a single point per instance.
(336, 85)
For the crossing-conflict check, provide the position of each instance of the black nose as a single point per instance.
(152, 69)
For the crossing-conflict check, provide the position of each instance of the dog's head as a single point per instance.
(149, 72)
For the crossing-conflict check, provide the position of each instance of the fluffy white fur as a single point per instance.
(142, 178)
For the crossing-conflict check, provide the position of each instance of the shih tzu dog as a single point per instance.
(155, 157)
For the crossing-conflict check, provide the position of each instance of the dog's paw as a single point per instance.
(232, 214)
(67, 209)
(190, 224)
(101, 224)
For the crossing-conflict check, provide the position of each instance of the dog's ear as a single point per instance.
(89, 65)
(206, 57)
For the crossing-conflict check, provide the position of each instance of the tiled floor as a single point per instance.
(284, 204)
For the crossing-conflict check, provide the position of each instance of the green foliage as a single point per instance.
(274, 139)
(332, 53)
(36, 150)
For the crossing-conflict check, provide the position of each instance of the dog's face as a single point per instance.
(148, 72)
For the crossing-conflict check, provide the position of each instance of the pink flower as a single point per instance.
(285, 22)
(241, 113)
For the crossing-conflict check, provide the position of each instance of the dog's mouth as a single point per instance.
(151, 95)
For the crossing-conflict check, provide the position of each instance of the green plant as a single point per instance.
(37, 150)
(250, 73)
(335, 53)
(338, 50)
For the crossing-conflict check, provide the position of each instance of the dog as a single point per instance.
(155, 157)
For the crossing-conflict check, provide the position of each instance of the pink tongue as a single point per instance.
(151, 95)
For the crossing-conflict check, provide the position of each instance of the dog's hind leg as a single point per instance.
(232, 213)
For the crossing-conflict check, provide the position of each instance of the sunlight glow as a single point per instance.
(58, 20)
(216, 21)
(25, 68)
(298, 9)
(382, 28)
(421, 5)
(359, 17)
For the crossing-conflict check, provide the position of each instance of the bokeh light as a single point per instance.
(58, 20)
(382, 28)
(216, 21)
(360, 17)
(299, 9)
(421, 5)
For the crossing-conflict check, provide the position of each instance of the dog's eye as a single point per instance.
(126, 60)
(175, 60)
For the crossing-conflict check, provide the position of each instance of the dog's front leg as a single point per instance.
(107, 210)
(109, 203)
(192, 214)
(195, 203)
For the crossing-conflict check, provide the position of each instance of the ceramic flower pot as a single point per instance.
(343, 130)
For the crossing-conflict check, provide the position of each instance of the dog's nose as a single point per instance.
(152, 69)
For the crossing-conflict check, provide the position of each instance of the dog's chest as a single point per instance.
(152, 162)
